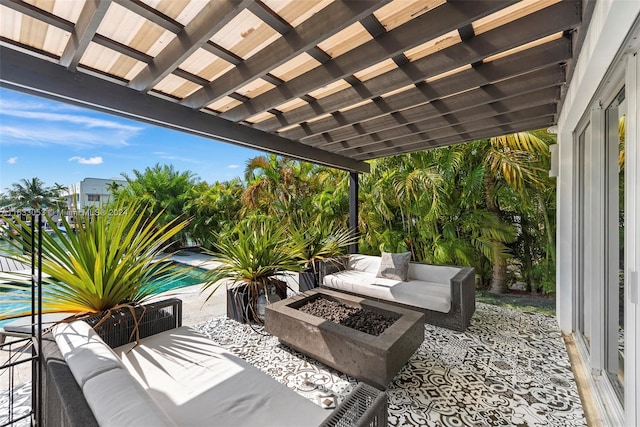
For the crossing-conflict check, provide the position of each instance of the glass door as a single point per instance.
(615, 128)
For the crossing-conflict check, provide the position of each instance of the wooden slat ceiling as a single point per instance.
(331, 81)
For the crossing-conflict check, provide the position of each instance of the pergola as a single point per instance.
(333, 82)
(329, 81)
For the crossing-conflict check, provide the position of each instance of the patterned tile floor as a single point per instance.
(509, 368)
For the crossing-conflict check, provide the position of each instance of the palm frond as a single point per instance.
(103, 262)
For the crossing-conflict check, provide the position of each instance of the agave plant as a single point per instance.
(251, 257)
(98, 264)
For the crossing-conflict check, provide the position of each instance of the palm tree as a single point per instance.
(513, 160)
(163, 190)
(213, 208)
(278, 185)
(113, 187)
(31, 193)
(59, 200)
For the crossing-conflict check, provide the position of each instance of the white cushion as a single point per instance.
(416, 293)
(367, 263)
(84, 351)
(198, 383)
(117, 400)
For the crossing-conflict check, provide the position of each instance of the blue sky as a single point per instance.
(62, 143)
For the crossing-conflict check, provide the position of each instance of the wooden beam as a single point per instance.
(469, 135)
(147, 12)
(211, 19)
(85, 29)
(514, 109)
(549, 54)
(553, 19)
(269, 17)
(26, 73)
(328, 21)
(222, 53)
(121, 48)
(461, 102)
(428, 26)
(39, 14)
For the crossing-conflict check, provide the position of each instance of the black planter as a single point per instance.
(238, 303)
(119, 327)
(307, 280)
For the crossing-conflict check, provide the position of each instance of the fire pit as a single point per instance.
(374, 359)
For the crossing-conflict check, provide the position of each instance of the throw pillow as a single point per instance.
(394, 266)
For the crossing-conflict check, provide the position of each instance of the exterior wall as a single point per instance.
(605, 64)
(80, 193)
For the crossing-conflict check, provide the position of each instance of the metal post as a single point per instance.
(34, 353)
(353, 209)
(36, 319)
(39, 361)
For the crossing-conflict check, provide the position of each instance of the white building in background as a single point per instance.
(92, 192)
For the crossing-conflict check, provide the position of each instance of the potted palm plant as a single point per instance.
(106, 261)
(320, 241)
(252, 257)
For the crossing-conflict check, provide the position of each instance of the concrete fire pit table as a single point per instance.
(369, 358)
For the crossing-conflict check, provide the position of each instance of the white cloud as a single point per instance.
(12, 160)
(86, 121)
(84, 161)
(233, 166)
(46, 123)
(25, 133)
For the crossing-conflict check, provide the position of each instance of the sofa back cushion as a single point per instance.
(84, 351)
(367, 263)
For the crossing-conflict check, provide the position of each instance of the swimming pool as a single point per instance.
(185, 276)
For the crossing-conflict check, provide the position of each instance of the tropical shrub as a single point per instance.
(213, 208)
(163, 191)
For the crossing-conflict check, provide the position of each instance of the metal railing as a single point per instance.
(21, 389)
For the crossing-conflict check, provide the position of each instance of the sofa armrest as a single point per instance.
(364, 406)
(63, 401)
(332, 265)
(463, 293)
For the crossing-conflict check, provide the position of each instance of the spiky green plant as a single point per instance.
(320, 241)
(106, 260)
(251, 256)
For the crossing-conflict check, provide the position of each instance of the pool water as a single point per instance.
(188, 277)
(185, 276)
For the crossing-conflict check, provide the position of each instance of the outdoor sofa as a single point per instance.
(445, 294)
(175, 377)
